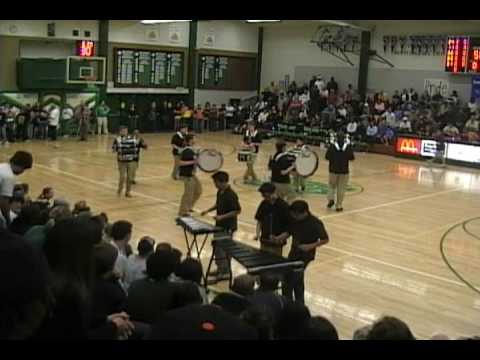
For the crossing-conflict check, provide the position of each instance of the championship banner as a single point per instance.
(433, 86)
(19, 100)
(51, 99)
(74, 99)
(475, 88)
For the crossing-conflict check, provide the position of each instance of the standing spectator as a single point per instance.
(213, 117)
(339, 155)
(67, 126)
(102, 112)
(10, 125)
(81, 116)
(18, 163)
(21, 124)
(187, 116)
(132, 118)
(332, 85)
(230, 115)
(349, 94)
(53, 123)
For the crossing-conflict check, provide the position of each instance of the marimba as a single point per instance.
(255, 261)
(195, 228)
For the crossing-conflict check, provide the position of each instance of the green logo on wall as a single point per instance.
(311, 187)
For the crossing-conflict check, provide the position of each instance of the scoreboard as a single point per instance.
(463, 55)
(141, 68)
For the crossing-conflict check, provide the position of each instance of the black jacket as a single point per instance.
(339, 158)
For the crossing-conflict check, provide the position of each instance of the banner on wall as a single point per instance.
(48, 99)
(434, 86)
(476, 88)
(74, 99)
(18, 99)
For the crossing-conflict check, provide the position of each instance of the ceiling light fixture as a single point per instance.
(150, 22)
(261, 21)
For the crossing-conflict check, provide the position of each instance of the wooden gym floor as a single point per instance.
(385, 253)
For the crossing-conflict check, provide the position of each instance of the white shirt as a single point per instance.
(7, 180)
(320, 84)
(54, 117)
(342, 112)
(304, 98)
(136, 267)
(352, 127)
(121, 264)
(67, 114)
(262, 117)
(405, 125)
(390, 118)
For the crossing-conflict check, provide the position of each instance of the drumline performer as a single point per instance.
(273, 219)
(187, 168)
(177, 142)
(140, 145)
(251, 140)
(126, 147)
(298, 180)
(339, 155)
(227, 207)
(281, 165)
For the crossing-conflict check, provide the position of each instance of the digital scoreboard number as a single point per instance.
(85, 48)
(463, 55)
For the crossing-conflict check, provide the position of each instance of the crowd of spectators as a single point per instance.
(69, 273)
(378, 118)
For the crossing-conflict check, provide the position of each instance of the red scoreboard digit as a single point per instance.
(457, 54)
(85, 48)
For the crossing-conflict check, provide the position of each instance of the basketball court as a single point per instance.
(407, 244)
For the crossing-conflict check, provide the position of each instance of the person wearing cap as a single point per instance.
(137, 264)
(252, 140)
(18, 163)
(187, 169)
(339, 155)
(178, 143)
(282, 165)
(273, 219)
(127, 149)
(308, 233)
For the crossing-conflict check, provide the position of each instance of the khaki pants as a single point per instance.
(298, 181)
(250, 173)
(102, 125)
(277, 250)
(284, 191)
(176, 161)
(191, 193)
(135, 168)
(337, 184)
(126, 170)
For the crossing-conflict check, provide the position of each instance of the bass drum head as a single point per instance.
(210, 160)
(306, 163)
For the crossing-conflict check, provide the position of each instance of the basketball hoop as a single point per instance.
(90, 82)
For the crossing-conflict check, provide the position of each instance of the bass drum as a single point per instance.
(306, 163)
(209, 160)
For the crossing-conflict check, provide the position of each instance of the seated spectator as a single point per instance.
(451, 130)
(405, 126)
(390, 328)
(244, 285)
(46, 196)
(29, 216)
(25, 300)
(108, 295)
(121, 234)
(186, 293)
(332, 98)
(149, 298)
(201, 322)
(371, 132)
(81, 209)
(232, 303)
(294, 317)
(69, 250)
(37, 234)
(390, 118)
(352, 127)
(318, 328)
(471, 128)
(191, 270)
(261, 320)
(379, 107)
(472, 106)
(137, 264)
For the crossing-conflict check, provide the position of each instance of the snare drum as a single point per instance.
(244, 155)
(209, 160)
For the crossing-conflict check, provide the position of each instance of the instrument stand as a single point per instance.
(194, 243)
(214, 257)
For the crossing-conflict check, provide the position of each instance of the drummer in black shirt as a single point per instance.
(192, 186)
(251, 140)
(228, 208)
(178, 140)
(273, 219)
(308, 233)
(281, 165)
